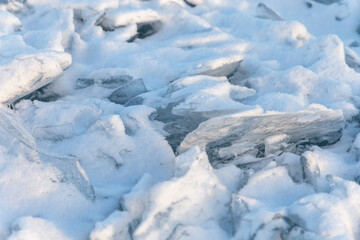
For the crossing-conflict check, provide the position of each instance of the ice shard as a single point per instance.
(177, 127)
(43, 94)
(311, 170)
(225, 70)
(146, 29)
(327, 2)
(128, 91)
(263, 11)
(105, 81)
(147, 22)
(84, 83)
(54, 133)
(228, 137)
(190, 3)
(192, 100)
(28, 73)
(352, 60)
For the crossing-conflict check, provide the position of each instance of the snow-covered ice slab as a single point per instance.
(209, 96)
(227, 137)
(147, 22)
(27, 73)
(192, 100)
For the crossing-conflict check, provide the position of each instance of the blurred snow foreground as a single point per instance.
(179, 119)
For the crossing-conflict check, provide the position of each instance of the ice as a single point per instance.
(126, 87)
(310, 169)
(145, 30)
(197, 201)
(84, 82)
(319, 164)
(35, 228)
(54, 32)
(114, 82)
(122, 132)
(226, 70)
(192, 100)
(313, 213)
(54, 133)
(177, 127)
(221, 96)
(121, 223)
(111, 82)
(113, 227)
(191, 119)
(135, 201)
(44, 94)
(190, 3)
(9, 24)
(128, 91)
(147, 22)
(352, 60)
(274, 143)
(263, 11)
(260, 214)
(327, 1)
(27, 73)
(244, 133)
(69, 167)
(355, 146)
(122, 18)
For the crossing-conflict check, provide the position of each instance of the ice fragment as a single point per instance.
(128, 91)
(229, 136)
(263, 11)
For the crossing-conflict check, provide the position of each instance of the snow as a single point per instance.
(202, 204)
(35, 228)
(181, 119)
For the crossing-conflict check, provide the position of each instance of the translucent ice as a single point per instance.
(110, 82)
(54, 133)
(192, 100)
(207, 95)
(227, 137)
(128, 91)
(327, 1)
(263, 11)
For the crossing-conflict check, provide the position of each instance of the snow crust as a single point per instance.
(179, 119)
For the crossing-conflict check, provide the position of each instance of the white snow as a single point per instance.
(179, 119)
